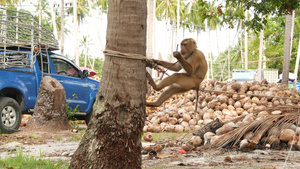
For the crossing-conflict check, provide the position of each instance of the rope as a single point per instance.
(124, 55)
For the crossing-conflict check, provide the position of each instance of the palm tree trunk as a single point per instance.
(261, 46)
(53, 14)
(241, 28)
(75, 24)
(228, 56)
(207, 45)
(289, 24)
(113, 136)
(95, 24)
(297, 64)
(246, 43)
(62, 34)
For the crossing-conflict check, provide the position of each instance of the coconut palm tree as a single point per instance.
(113, 136)
(9, 2)
(289, 26)
(167, 10)
(79, 10)
(212, 22)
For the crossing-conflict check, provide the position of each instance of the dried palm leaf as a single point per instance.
(260, 127)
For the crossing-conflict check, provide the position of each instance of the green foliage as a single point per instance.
(72, 112)
(24, 161)
(98, 64)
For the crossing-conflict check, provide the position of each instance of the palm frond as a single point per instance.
(270, 125)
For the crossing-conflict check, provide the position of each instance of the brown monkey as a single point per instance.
(192, 61)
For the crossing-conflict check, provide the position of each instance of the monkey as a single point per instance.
(194, 64)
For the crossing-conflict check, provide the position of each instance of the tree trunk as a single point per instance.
(297, 64)
(113, 136)
(287, 48)
(50, 108)
(246, 42)
(62, 33)
(76, 40)
(53, 16)
(228, 56)
(261, 49)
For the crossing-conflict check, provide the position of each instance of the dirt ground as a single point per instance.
(62, 144)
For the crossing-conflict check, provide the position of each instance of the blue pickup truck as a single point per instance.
(23, 64)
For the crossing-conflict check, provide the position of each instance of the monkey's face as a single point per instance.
(183, 49)
(187, 46)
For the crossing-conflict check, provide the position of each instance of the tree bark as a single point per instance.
(113, 136)
(50, 108)
(287, 48)
(261, 51)
(62, 33)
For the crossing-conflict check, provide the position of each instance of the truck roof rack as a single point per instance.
(18, 33)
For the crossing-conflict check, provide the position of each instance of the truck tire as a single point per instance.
(10, 115)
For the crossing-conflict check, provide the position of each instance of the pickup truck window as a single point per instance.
(43, 63)
(64, 68)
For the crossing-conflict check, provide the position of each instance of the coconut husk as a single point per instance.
(259, 128)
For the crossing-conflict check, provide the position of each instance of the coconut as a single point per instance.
(172, 120)
(206, 121)
(262, 114)
(170, 128)
(276, 112)
(244, 144)
(196, 141)
(247, 106)
(187, 146)
(207, 136)
(236, 86)
(187, 128)
(286, 134)
(192, 122)
(237, 104)
(273, 140)
(157, 129)
(231, 102)
(184, 123)
(178, 128)
(236, 97)
(186, 117)
(148, 137)
(224, 129)
(164, 118)
(239, 111)
(150, 128)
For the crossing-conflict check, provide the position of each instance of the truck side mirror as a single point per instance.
(86, 73)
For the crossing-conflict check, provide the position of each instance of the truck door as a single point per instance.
(76, 87)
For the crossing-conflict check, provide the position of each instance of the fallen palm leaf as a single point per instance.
(260, 128)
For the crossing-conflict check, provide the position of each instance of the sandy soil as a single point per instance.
(63, 144)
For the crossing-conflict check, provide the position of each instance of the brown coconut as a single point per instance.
(148, 137)
(286, 135)
(196, 141)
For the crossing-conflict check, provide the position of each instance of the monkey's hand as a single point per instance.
(150, 63)
(177, 54)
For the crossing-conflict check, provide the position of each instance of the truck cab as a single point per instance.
(27, 54)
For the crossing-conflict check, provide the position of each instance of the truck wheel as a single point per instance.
(10, 115)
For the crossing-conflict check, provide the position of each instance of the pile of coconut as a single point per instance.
(235, 106)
